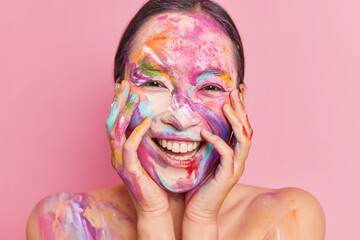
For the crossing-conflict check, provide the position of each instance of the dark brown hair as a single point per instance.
(154, 7)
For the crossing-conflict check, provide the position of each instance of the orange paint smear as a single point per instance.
(117, 159)
(226, 78)
(155, 44)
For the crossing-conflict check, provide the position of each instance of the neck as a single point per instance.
(177, 208)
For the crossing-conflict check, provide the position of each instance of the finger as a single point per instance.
(117, 160)
(243, 145)
(121, 95)
(131, 162)
(237, 102)
(226, 165)
(124, 119)
(236, 124)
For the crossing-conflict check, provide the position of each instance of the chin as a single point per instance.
(174, 177)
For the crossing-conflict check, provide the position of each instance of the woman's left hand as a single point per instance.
(203, 202)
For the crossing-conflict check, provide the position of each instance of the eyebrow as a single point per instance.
(224, 76)
(148, 69)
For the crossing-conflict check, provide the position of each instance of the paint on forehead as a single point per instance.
(161, 18)
(155, 42)
(175, 19)
(148, 69)
(208, 22)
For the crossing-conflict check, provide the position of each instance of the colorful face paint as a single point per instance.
(80, 216)
(183, 68)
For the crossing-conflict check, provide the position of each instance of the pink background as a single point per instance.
(302, 73)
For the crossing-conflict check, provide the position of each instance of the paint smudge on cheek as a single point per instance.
(216, 120)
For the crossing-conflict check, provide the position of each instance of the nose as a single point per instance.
(181, 114)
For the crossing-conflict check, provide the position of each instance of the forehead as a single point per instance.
(189, 39)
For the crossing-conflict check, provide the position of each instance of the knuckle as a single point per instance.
(127, 147)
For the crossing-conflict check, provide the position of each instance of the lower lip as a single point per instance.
(179, 163)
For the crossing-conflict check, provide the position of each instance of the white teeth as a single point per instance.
(190, 147)
(184, 148)
(169, 146)
(176, 146)
(163, 143)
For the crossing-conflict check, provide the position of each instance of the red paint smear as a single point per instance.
(192, 168)
(244, 132)
(252, 131)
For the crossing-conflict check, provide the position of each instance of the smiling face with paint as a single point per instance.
(183, 67)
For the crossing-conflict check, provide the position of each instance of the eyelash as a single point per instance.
(156, 84)
(153, 84)
(215, 88)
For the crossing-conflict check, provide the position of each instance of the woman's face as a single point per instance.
(183, 67)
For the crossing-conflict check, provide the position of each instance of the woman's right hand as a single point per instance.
(148, 198)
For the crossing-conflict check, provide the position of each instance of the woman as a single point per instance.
(179, 135)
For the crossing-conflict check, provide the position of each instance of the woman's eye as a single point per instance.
(154, 84)
(212, 88)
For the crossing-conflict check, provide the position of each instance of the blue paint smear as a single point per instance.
(173, 132)
(110, 121)
(144, 110)
(164, 183)
(200, 79)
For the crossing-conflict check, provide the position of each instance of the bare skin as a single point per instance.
(171, 94)
(248, 212)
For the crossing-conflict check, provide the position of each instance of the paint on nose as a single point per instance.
(181, 114)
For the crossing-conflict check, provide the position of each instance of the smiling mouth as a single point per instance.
(179, 153)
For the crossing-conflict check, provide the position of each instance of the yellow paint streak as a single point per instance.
(226, 78)
(183, 165)
(155, 44)
(139, 128)
(117, 157)
(222, 198)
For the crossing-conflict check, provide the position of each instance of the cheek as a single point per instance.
(211, 111)
(150, 105)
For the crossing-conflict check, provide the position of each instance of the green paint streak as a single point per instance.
(147, 69)
(131, 102)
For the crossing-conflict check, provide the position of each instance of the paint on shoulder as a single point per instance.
(78, 216)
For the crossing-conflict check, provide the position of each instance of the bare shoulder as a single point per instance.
(82, 215)
(289, 213)
(45, 215)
